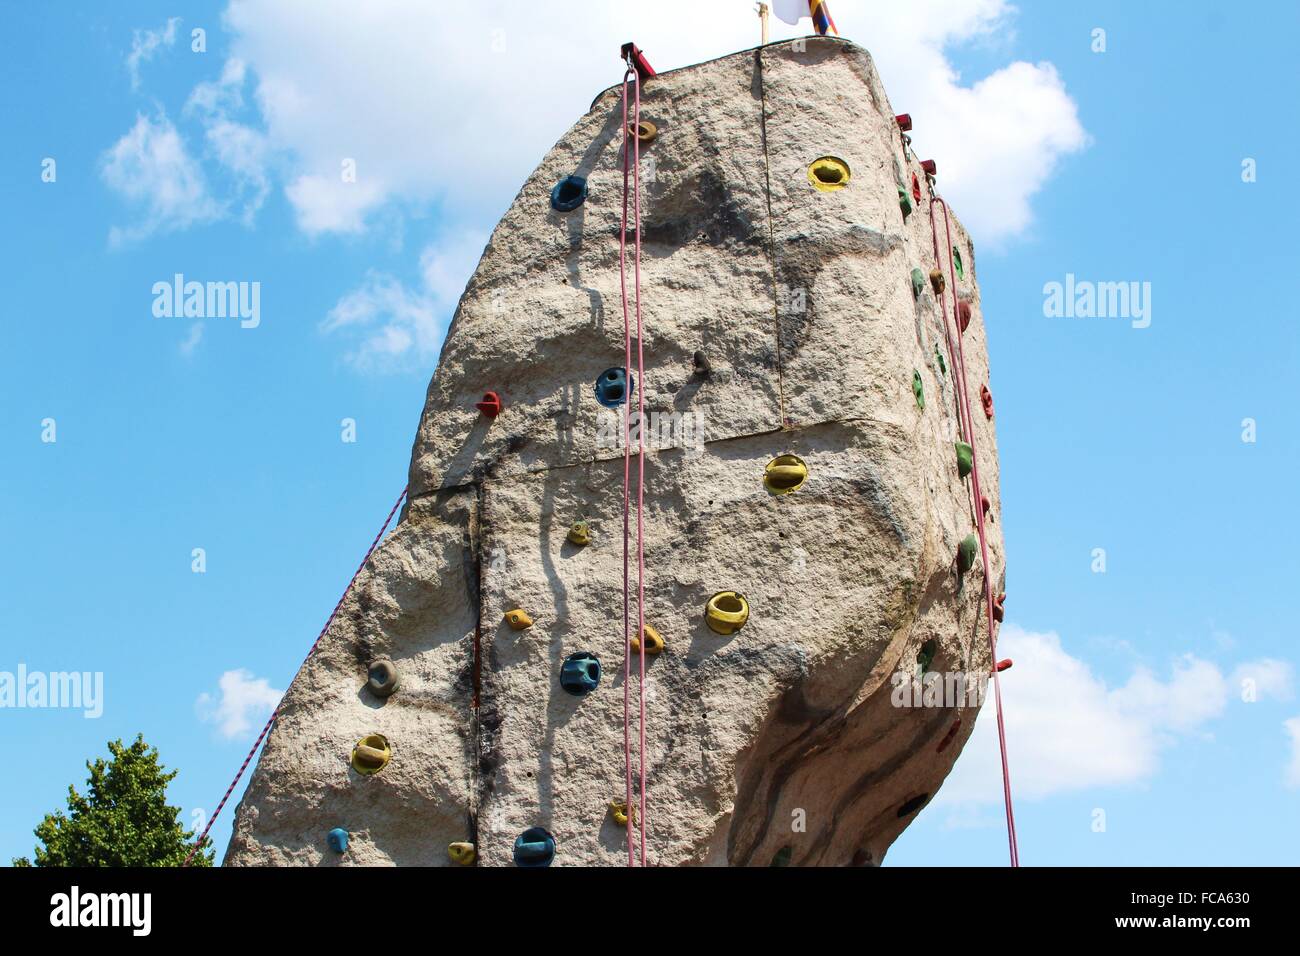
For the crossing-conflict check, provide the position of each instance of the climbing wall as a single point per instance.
(782, 311)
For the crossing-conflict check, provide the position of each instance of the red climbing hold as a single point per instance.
(632, 53)
(490, 406)
(931, 168)
(904, 121)
(999, 607)
(986, 399)
(963, 314)
(948, 737)
(986, 504)
(916, 188)
(1004, 665)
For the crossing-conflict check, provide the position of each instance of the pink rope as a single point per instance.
(275, 713)
(965, 423)
(632, 175)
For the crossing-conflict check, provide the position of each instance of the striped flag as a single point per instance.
(792, 11)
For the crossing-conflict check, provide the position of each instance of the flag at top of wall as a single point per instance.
(792, 11)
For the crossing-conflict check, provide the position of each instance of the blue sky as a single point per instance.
(175, 434)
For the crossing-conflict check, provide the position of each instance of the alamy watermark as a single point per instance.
(939, 689)
(209, 300)
(74, 690)
(664, 430)
(1082, 299)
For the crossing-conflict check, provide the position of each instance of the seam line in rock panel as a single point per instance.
(771, 238)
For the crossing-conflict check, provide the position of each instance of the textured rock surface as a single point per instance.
(847, 578)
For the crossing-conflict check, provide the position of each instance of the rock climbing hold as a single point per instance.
(986, 399)
(918, 283)
(986, 504)
(580, 673)
(462, 854)
(782, 857)
(535, 847)
(381, 677)
(916, 188)
(337, 840)
(949, 736)
(966, 552)
(957, 264)
(916, 803)
(904, 121)
(1000, 607)
(580, 533)
(613, 386)
(918, 389)
(618, 809)
(925, 656)
(938, 358)
(828, 173)
(931, 169)
(371, 754)
(937, 281)
(645, 131)
(490, 405)
(965, 459)
(904, 203)
(726, 612)
(1004, 665)
(519, 619)
(569, 193)
(963, 315)
(654, 642)
(701, 363)
(785, 474)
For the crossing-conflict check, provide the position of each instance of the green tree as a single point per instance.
(123, 818)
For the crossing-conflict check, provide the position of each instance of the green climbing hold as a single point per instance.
(918, 389)
(938, 357)
(965, 459)
(966, 552)
(783, 856)
(904, 202)
(918, 283)
(956, 263)
(925, 657)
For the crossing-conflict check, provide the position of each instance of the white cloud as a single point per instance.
(1266, 677)
(150, 168)
(1067, 730)
(391, 325)
(434, 109)
(240, 149)
(1292, 728)
(243, 700)
(146, 43)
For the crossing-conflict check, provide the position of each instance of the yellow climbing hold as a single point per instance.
(654, 642)
(462, 854)
(371, 754)
(828, 173)
(618, 808)
(580, 533)
(785, 474)
(727, 612)
(645, 131)
(519, 620)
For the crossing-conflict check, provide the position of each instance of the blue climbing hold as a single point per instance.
(535, 847)
(613, 386)
(580, 673)
(337, 839)
(569, 193)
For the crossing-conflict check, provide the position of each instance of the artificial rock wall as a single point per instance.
(802, 304)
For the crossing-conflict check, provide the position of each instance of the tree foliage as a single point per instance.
(121, 820)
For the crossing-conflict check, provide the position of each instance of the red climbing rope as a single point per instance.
(966, 423)
(632, 172)
(275, 713)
